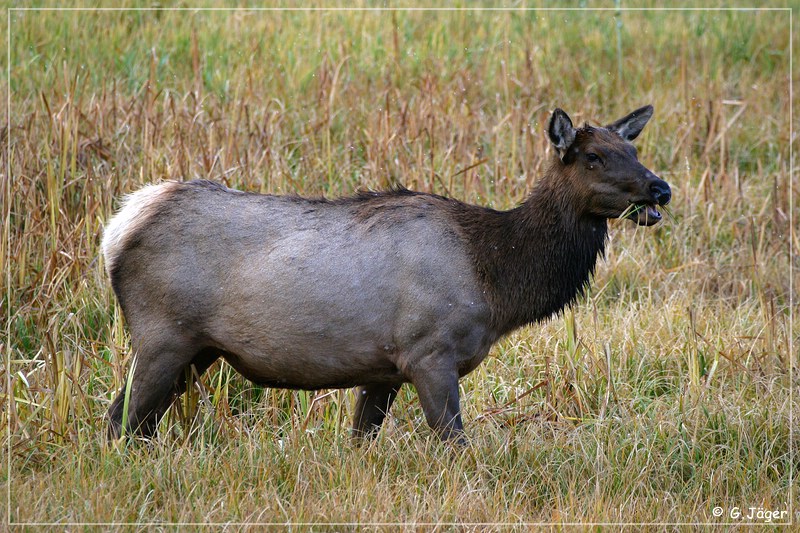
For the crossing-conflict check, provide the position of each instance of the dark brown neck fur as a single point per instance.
(537, 258)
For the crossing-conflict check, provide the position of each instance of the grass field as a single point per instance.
(664, 393)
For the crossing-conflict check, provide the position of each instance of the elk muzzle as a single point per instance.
(645, 211)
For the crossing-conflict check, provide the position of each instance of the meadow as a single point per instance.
(663, 394)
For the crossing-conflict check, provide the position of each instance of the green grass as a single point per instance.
(662, 394)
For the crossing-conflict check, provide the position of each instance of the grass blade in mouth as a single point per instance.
(632, 209)
(666, 211)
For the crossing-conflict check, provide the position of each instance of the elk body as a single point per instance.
(372, 291)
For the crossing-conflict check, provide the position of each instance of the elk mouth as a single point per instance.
(644, 214)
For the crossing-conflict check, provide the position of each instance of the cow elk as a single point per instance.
(371, 291)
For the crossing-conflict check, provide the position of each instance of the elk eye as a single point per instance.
(592, 158)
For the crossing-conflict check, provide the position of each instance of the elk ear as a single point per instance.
(631, 126)
(561, 131)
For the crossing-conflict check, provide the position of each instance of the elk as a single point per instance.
(370, 291)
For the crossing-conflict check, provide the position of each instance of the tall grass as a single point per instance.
(662, 394)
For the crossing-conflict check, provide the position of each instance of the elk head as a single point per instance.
(605, 175)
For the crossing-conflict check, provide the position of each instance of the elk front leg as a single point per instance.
(437, 387)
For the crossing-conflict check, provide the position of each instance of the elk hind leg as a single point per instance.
(158, 374)
(372, 405)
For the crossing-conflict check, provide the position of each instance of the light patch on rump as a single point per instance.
(136, 209)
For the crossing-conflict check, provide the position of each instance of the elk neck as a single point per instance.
(537, 258)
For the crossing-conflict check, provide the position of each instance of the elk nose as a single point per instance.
(661, 191)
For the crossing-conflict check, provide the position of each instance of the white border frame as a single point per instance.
(7, 264)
